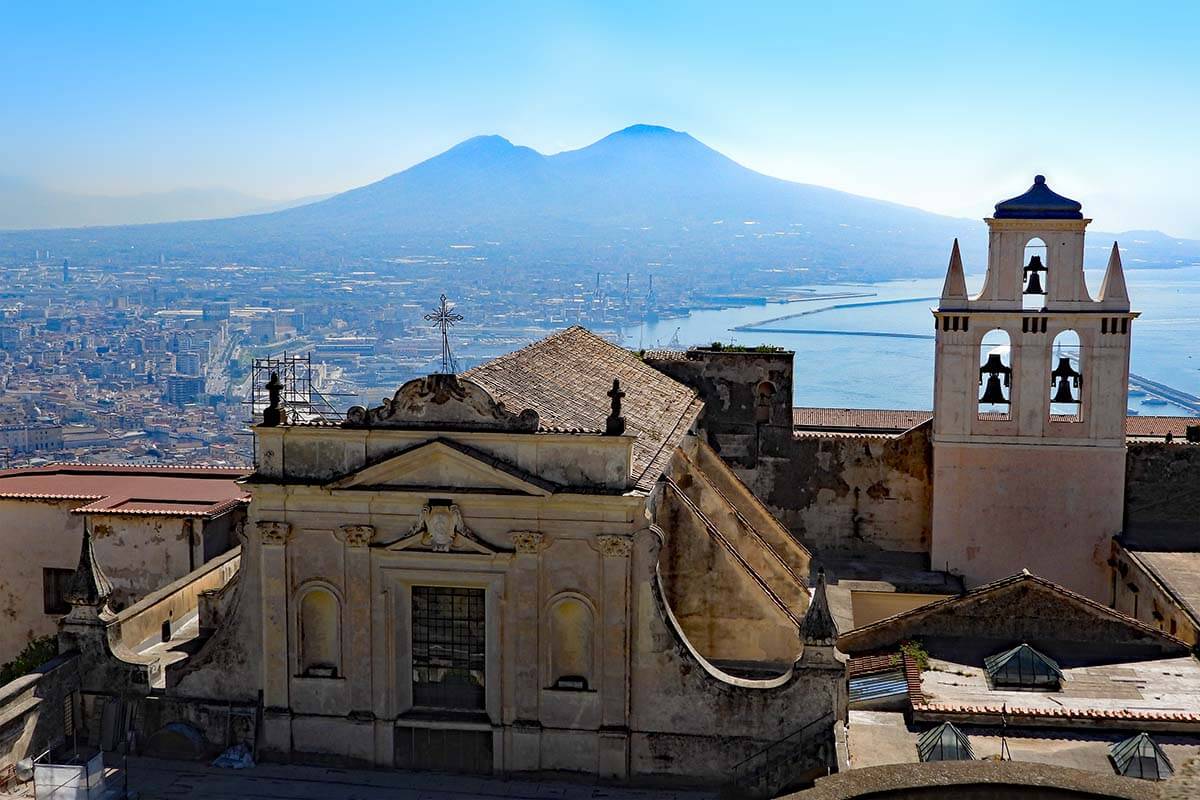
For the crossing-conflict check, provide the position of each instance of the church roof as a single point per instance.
(566, 378)
(1040, 202)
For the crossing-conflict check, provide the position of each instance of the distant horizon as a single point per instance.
(940, 107)
(242, 204)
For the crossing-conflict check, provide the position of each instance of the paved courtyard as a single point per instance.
(154, 778)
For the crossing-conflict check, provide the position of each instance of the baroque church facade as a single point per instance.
(468, 577)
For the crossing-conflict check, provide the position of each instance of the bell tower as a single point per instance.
(1030, 392)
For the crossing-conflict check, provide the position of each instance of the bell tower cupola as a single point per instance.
(1030, 393)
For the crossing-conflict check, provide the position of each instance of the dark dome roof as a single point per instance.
(1040, 202)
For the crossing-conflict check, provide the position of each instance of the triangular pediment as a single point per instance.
(447, 465)
(1021, 606)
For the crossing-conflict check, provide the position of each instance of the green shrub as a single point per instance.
(36, 653)
(916, 651)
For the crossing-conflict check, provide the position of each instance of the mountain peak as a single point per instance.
(642, 129)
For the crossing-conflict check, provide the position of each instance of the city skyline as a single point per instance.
(934, 108)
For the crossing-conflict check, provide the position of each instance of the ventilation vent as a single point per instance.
(1022, 667)
(1141, 757)
(944, 743)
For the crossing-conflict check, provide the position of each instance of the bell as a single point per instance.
(1034, 283)
(992, 393)
(1066, 376)
(1063, 393)
(994, 368)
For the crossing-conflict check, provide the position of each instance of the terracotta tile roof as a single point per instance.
(858, 420)
(566, 378)
(868, 665)
(1159, 427)
(1059, 713)
(154, 491)
(807, 420)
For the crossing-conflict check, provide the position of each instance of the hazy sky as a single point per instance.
(947, 106)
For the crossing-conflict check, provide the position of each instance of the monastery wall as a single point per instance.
(1162, 494)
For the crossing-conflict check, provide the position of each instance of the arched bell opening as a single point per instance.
(995, 376)
(1066, 378)
(1034, 275)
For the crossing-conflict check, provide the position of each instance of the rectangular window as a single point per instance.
(448, 647)
(54, 589)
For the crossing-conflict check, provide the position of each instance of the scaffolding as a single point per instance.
(303, 401)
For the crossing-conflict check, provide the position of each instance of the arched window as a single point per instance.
(764, 398)
(1066, 378)
(995, 376)
(1034, 276)
(572, 637)
(320, 647)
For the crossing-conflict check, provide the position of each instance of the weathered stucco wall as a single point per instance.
(851, 494)
(139, 554)
(838, 494)
(1162, 494)
(1036, 504)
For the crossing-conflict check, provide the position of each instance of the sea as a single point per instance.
(870, 345)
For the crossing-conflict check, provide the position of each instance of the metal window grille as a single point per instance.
(448, 647)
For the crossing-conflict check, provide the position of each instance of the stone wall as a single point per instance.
(851, 494)
(32, 709)
(837, 493)
(1162, 495)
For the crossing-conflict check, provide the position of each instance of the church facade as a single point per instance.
(452, 580)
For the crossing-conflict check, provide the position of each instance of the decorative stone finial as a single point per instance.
(615, 424)
(818, 627)
(954, 290)
(89, 587)
(1114, 295)
(274, 414)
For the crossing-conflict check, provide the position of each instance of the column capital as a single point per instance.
(614, 546)
(528, 542)
(274, 533)
(358, 535)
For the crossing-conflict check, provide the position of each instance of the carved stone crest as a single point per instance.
(274, 533)
(527, 541)
(614, 546)
(440, 526)
(358, 535)
(443, 402)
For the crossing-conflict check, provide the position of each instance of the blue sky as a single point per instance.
(946, 106)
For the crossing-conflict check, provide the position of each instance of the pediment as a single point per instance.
(443, 464)
(443, 402)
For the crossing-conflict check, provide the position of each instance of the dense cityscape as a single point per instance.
(155, 364)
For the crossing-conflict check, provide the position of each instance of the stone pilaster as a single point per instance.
(356, 662)
(525, 735)
(273, 539)
(614, 726)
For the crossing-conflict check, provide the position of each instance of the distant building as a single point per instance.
(31, 438)
(182, 390)
(189, 363)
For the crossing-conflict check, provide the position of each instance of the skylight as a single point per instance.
(1022, 667)
(944, 743)
(1141, 757)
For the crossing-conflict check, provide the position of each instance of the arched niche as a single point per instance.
(319, 632)
(995, 375)
(1066, 377)
(571, 651)
(764, 399)
(1035, 262)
